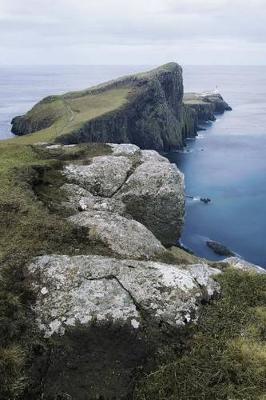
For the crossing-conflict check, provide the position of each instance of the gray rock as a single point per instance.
(80, 199)
(152, 155)
(82, 289)
(103, 177)
(154, 195)
(243, 265)
(123, 236)
(124, 149)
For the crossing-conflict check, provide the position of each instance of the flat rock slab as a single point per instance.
(125, 237)
(103, 177)
(85, 289)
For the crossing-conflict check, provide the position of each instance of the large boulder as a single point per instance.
(154, 195)
(124, 237)
(85, 289)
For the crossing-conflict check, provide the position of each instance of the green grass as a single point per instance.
(68, 113)
(28, 228)
(226, 357)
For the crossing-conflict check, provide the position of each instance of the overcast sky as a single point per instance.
(132, 32)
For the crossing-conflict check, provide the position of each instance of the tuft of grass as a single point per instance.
(226, 357)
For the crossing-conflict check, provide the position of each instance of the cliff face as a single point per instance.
(204, 107)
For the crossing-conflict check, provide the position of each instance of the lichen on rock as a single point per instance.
(82, 289)
(140, 184)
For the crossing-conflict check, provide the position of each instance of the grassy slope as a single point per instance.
(226, 357)
(69, 112)
(27, 229)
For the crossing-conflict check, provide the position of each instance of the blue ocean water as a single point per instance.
(227, 162)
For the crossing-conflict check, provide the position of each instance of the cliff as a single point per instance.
(145, 109)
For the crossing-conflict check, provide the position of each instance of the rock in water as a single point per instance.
(219, 248)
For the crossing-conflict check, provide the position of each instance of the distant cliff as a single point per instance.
(146, 109)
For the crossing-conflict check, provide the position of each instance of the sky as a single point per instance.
(141, 32)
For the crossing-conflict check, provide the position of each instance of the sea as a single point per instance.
(225, 162)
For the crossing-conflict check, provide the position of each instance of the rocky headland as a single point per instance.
(147, 109)
(97, 299)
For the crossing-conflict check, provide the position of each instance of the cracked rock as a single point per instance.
(123, 236)
(85, 289)
(103, 177)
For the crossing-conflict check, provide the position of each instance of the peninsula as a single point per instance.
(147, 109)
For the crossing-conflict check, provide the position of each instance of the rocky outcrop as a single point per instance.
(130, 183)
(82, 289)
(103, 177)
(124, 237)
(153, 192)
(106, 318)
